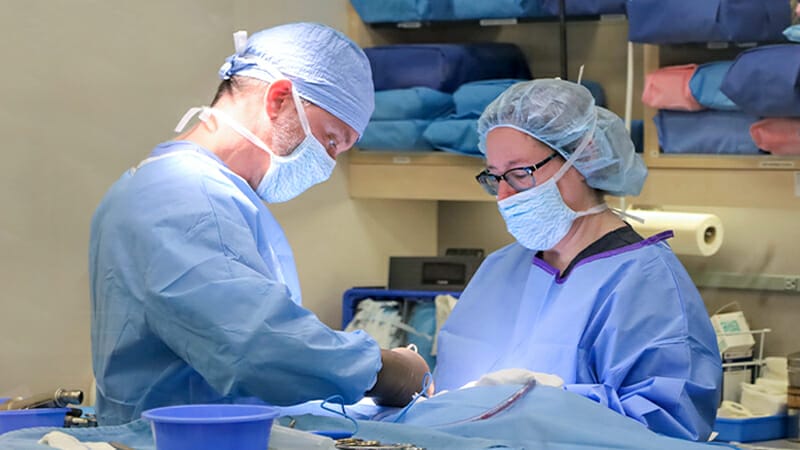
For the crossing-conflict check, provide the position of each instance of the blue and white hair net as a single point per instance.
(325, 66)
(559, 114)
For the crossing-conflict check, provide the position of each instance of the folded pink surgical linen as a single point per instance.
(668, 88)
(777, 135)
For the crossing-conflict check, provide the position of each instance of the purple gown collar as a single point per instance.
(542, 264)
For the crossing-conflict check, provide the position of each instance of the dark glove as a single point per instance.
(400, 377)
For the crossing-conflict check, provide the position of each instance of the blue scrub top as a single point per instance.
(626, 328)
(195, 297)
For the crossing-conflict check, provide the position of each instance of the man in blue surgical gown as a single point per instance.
(195, 297)
(580, 294)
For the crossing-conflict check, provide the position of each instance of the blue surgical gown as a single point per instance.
(195, 297)
(626, 328)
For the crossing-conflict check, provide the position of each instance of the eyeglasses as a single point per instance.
(519, 178)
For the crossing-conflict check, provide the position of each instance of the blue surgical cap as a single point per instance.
(326, 68)
(559, 114)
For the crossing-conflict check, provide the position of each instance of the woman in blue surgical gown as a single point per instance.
(580, 294)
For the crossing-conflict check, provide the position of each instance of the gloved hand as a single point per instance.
(400, 377)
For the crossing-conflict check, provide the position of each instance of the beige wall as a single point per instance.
(87, 88)
(340, 243)
(757, 241)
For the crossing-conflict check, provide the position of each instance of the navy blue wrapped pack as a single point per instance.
(637, 135)
(755, 21)
(399, 135)
(597, 91)
(705, 132)
(411, 103)
(496, 9)
(765, 81)
(688, 21)
(585, 7)
(444, 67)
(384, 11)
(454, 135)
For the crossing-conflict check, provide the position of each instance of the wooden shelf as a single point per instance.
(732, 188)
(414, 175)
(450, 177)
(655, 159)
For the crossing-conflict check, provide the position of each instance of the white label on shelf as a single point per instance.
(613, 17)
(409, 25)
(716, 45)
(797, 184)
(776, 164)
(497, 22)
(401, 160)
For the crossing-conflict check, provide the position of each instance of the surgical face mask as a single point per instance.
(288, 176)
(538, 218)
(307, 165)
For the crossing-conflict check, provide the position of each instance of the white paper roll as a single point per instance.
(695, 234)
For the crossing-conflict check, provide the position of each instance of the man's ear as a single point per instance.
(278, 93)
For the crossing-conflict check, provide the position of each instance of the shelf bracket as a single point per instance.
(751, 282)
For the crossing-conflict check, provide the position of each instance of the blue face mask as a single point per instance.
(288, 176)
(538, 218)
(291, 175)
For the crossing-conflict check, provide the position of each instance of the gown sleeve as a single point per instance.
(215, 302)
(654, 352)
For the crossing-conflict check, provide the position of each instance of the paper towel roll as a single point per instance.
(695, 234)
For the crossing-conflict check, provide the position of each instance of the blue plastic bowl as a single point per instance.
(26, 418)
(221, 427)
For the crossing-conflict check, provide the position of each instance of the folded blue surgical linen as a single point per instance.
(706, 132)
(393, 11)
(412, 103)
(496, 9)
(472, 98)
(454, 135)
(705, 86)
(396, 135)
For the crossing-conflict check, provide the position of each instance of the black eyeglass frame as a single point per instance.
(484, 177)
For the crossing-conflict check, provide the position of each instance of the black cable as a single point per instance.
(562, 25)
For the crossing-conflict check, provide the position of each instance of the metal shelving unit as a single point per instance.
(758, 356)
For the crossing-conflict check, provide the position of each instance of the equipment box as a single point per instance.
(351, 298)
(751, 429)
(398, 317)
